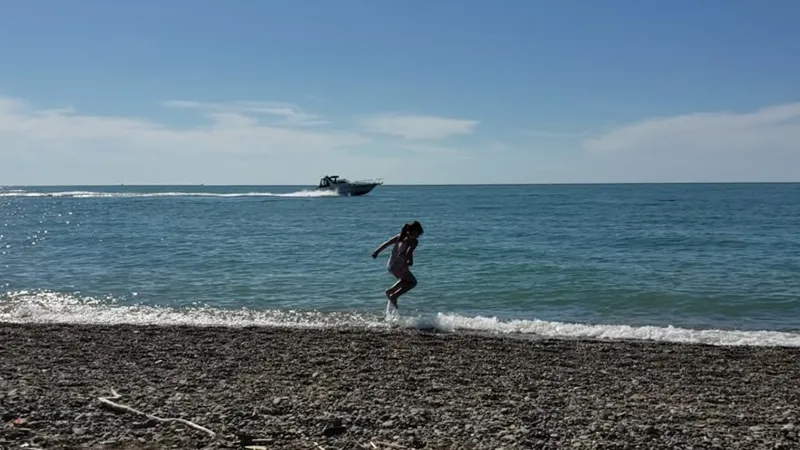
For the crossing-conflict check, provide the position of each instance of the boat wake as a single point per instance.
(176, 194)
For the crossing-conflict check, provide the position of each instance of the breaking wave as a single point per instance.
(50, 307)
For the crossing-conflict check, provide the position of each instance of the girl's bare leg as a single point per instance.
(390, 293)
(401, 287)
(393, 287)
(401, 276)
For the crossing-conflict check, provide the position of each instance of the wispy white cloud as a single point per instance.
(255, 141)
(19, 119)
(497, 147)
(428, 149)
(715, 146)
(291, 114)
(231, 131)
(418, 127)
(770, 127)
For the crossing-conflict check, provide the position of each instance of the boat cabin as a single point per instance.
(331, 180)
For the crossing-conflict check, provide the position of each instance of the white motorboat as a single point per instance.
(345, 187)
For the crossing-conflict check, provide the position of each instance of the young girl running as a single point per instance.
(401, 259)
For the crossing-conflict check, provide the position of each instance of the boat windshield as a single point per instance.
(332, 180)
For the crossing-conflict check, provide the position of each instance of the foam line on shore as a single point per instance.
(51, 307)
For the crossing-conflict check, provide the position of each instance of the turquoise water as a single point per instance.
(715, 263)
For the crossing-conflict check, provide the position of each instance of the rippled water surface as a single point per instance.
(574, 260)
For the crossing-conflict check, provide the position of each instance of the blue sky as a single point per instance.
(282, 92)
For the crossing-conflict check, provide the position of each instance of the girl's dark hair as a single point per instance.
(413, 226)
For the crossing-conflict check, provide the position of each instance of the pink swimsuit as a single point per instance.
(397, 264)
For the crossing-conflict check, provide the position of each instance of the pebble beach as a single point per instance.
(271, 388)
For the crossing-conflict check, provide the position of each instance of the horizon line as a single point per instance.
(571, 183)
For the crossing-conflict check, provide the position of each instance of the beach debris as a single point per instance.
(376, 444)
(107, 401)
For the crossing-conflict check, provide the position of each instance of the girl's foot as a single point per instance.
(392, 299)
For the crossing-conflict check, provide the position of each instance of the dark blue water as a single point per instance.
(714, 263)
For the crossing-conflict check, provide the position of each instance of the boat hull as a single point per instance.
(350, 190)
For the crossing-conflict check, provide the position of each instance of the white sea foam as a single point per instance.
(453, 322)
(48, 307)
(97, 194)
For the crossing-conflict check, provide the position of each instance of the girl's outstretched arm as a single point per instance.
(383, 246)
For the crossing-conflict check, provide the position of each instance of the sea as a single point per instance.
(716, 264)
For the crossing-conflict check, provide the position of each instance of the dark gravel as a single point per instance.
(334, 389)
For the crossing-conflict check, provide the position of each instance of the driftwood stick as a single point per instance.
(388, 444)
(107, 401)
